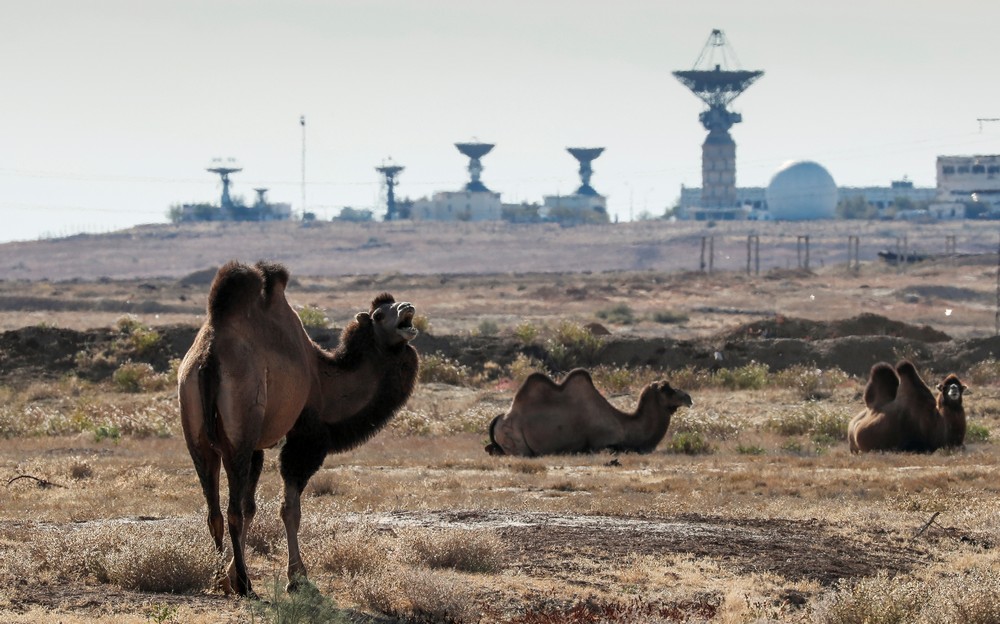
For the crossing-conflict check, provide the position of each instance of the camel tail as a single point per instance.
(493, 448)
(208, 382)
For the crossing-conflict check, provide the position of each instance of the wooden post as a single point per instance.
(950, 249)
(701, 265)
(753, 253)
(853, 253)
(756, 254)
(711, 254)
(802, 244)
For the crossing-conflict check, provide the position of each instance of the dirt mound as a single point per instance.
(866, 324)
(203, 277)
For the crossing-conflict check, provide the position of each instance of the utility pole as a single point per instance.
(985, 119)
(302, 122)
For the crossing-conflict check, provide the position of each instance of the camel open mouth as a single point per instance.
(405, 326)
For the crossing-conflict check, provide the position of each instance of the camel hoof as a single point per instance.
(296, 582)
(224, 585)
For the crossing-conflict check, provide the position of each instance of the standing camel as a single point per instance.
(253, 376)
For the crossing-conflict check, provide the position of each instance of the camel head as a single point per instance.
(391, 320)
(952, 390)
(668, 398)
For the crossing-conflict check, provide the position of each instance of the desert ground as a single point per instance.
(750, 510)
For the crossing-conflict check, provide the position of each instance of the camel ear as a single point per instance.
(363, 318)
(940, 387)
(965, 389)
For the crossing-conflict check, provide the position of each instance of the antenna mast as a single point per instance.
(715, 84)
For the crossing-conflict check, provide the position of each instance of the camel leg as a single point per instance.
(301, 457)
(238, 469)
(207, 464)
(249, 506)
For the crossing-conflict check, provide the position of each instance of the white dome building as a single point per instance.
(801, 190)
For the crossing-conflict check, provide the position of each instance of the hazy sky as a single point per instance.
(111, 110)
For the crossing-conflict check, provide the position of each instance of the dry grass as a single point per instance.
(421, 525)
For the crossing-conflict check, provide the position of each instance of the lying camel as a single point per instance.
(902, 414)
(572, 417)
(253, 376)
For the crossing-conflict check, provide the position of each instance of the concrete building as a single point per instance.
(751, 201)
(458, 206)
(967, 183)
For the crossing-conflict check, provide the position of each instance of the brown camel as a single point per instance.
(902, 414)
(572, 417)
(253, 376)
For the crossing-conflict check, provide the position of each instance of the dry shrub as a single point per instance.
(690, 378)
(358, 552)
(816, 419)
(138, 377)
(879, 599)
(379, 591)
(523, 366)
(415, 595)
(439, 598)
(622, 379)
(175, 557)
(437, 368)
(457, 549)
(267, 532)
(808, 382)
(709, 423)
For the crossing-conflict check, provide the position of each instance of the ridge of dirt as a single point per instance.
(866, 324)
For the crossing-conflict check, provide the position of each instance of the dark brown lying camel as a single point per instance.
(901, 413)
(572, 417)
(253, 377)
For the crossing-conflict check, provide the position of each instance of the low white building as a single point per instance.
(964, 181)
(458, 206)
(575, 207)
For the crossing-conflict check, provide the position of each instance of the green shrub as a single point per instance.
(752, 376)
(814, 419)
(667, 317)
(313, 318)
(620, 314)
(975, 432)
(306, 605)
(526, 332)
(487, 327)
(750, 449)
(437, 368)
(522, 366)
(137, 377)
(689, 443)
(572, 346)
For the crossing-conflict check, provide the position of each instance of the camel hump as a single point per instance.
(275, 276)
(912, 385)
(237, 286)
(883, 383)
